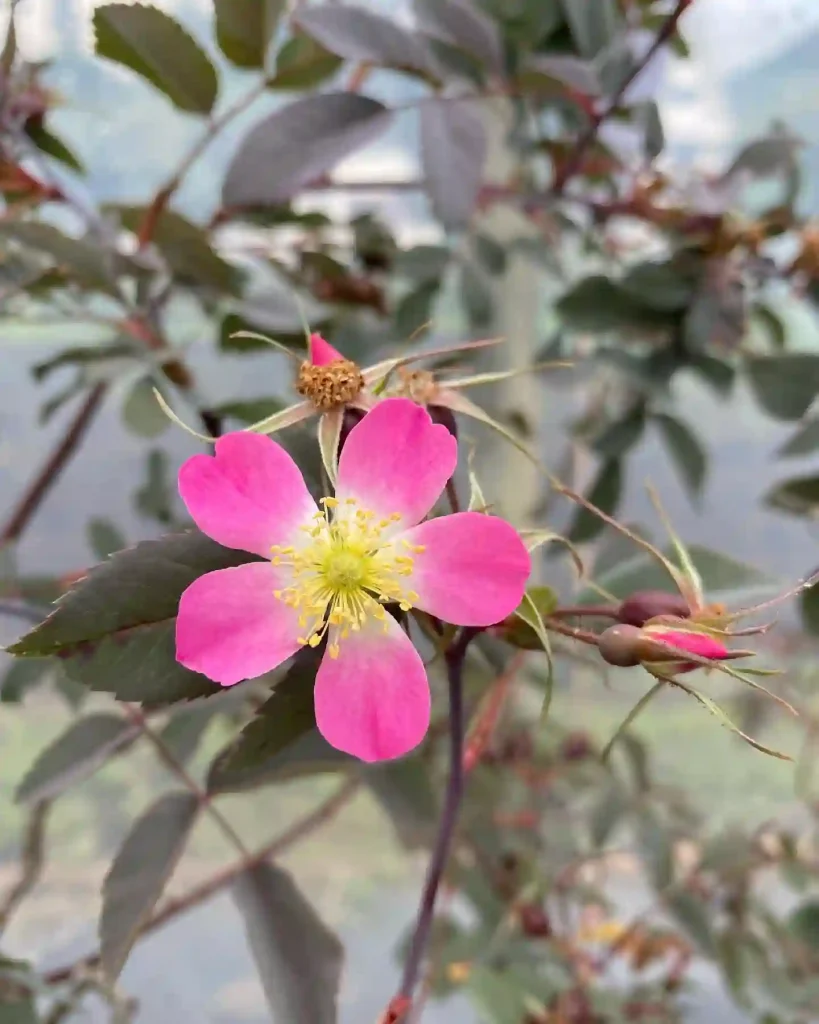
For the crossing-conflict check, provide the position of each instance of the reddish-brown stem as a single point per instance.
(55, 464)
(574, 162)
(214, 127)
(201, 893)
(601, 611)
(359, 76)
(585, 636)
(149, 222)
(487, 718)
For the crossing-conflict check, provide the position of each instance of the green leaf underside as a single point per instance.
(298, 958)
(298, 143)
(158, 48)
(86, 264)
(245, 28)
(785, 385)
(74, 755)
(354, 33)
(139, 873)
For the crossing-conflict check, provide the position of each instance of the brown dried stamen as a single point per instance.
(419, 385)
(331, 385)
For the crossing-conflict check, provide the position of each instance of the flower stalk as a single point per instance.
(455, 657)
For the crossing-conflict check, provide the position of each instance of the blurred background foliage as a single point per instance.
(566, 174)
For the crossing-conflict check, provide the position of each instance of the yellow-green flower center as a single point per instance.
(346, 570)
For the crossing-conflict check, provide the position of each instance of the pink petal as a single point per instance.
(473, 570)
(695, 643)
(249, 495)
(373, 700)
(230, 626)
(321, 352)
(396, 460)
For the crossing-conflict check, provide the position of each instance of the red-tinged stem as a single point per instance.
(600, 611)
(584, 636)
(487, 717)
(54, 465)
(574, 162)
(214, 127)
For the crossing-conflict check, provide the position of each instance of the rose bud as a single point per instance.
(620, 646)
(643, 605)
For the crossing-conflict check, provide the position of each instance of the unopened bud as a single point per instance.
(655, 641)
(643, 605)
(517, 747)
(177, 373)
(577, 746)
(620, 646)
(534, 921)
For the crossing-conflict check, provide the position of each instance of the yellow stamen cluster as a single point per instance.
(345, 571)
(328, 386)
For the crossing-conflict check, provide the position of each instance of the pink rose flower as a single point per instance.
(330, 571)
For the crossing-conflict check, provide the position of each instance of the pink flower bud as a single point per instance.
(321, 352)
(655, 638)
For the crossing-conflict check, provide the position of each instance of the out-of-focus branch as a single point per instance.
(214, 126)
(486, 719)
(31, 861)
(53, 467)
(176, 768)
(584, 636)
(574, 161)
(297, 832)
